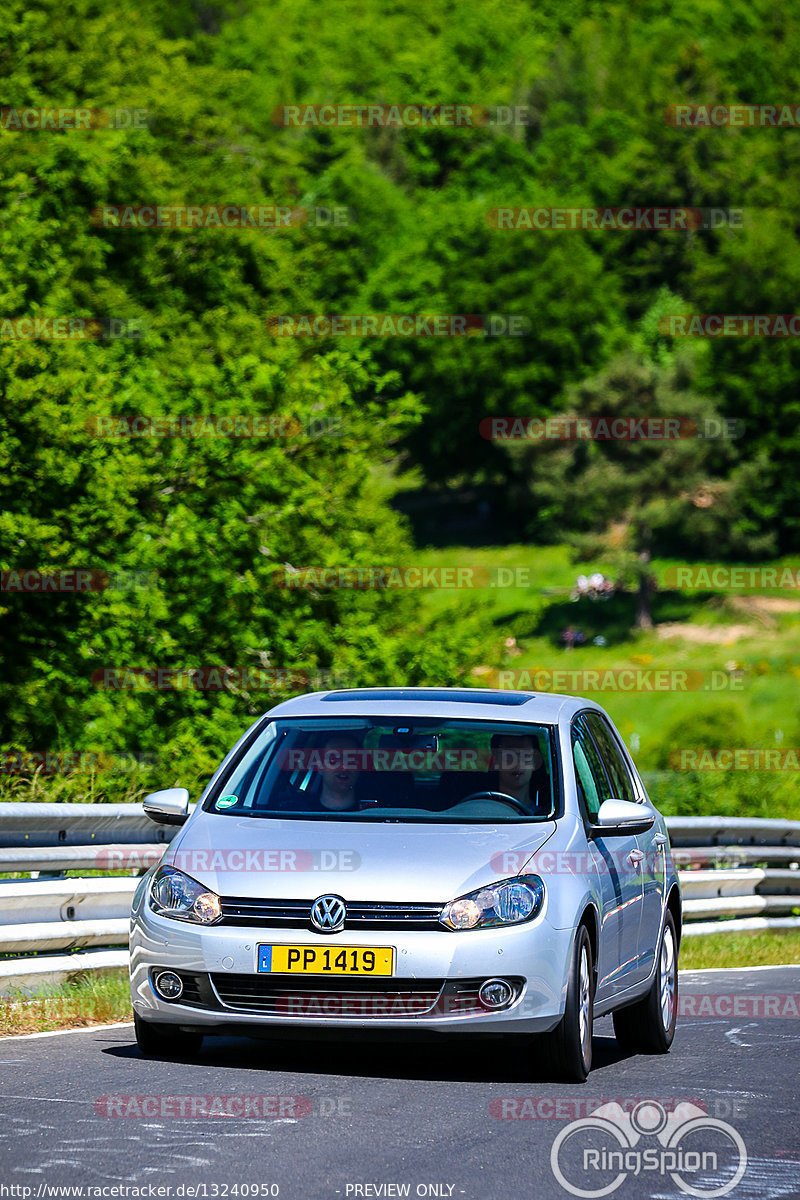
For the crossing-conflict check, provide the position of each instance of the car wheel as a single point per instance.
(567, 1051)
(649, 1025)
(156, 1040)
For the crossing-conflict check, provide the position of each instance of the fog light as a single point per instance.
(495, 993)
(168, 985)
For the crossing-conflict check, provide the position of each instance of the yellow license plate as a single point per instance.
(326, 960)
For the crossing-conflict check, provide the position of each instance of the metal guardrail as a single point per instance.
(77, 825)
(737, 874)
(731, 831)
(48, 913)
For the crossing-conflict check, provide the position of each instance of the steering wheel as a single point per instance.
(501, 797)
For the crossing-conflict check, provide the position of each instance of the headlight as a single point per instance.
(506, 903)
(173, 894)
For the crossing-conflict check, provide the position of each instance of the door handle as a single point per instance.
(660, 839)
(634, 858)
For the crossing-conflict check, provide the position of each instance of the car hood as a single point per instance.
(360, 861)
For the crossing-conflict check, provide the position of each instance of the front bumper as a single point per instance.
(436, 977)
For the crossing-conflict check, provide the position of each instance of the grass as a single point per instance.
(92, 998)
(95, 787)
(771, 948)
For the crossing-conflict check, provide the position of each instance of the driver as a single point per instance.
(334, 785)
(337, 792)
(515, 757)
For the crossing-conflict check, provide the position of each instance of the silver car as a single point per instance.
(414, 861)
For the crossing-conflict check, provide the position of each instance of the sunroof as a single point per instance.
(433, 695)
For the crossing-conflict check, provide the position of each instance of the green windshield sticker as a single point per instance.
(227, 801)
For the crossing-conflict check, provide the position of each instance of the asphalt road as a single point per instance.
(451, 1119)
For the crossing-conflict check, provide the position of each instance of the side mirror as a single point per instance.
(618, 818)
(169, 807)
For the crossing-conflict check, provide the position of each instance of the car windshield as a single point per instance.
(393, 769)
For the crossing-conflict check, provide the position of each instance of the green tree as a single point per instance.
(626, 498)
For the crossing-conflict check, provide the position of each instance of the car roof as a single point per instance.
(479, 704)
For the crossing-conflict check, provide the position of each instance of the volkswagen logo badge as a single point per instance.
(328, 914)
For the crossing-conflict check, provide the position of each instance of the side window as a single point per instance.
(592, 779)
(614, 762)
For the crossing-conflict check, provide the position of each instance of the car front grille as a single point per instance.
(328, 999)
(296, 914)
(191, 989)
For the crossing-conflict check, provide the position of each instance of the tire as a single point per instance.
(566, 1053)
(156, 1040)
(649, 1025)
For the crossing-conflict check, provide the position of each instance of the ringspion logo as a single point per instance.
(702, 1155)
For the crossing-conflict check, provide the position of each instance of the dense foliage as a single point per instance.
(206, 521)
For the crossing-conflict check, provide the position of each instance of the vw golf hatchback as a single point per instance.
(414, 861)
